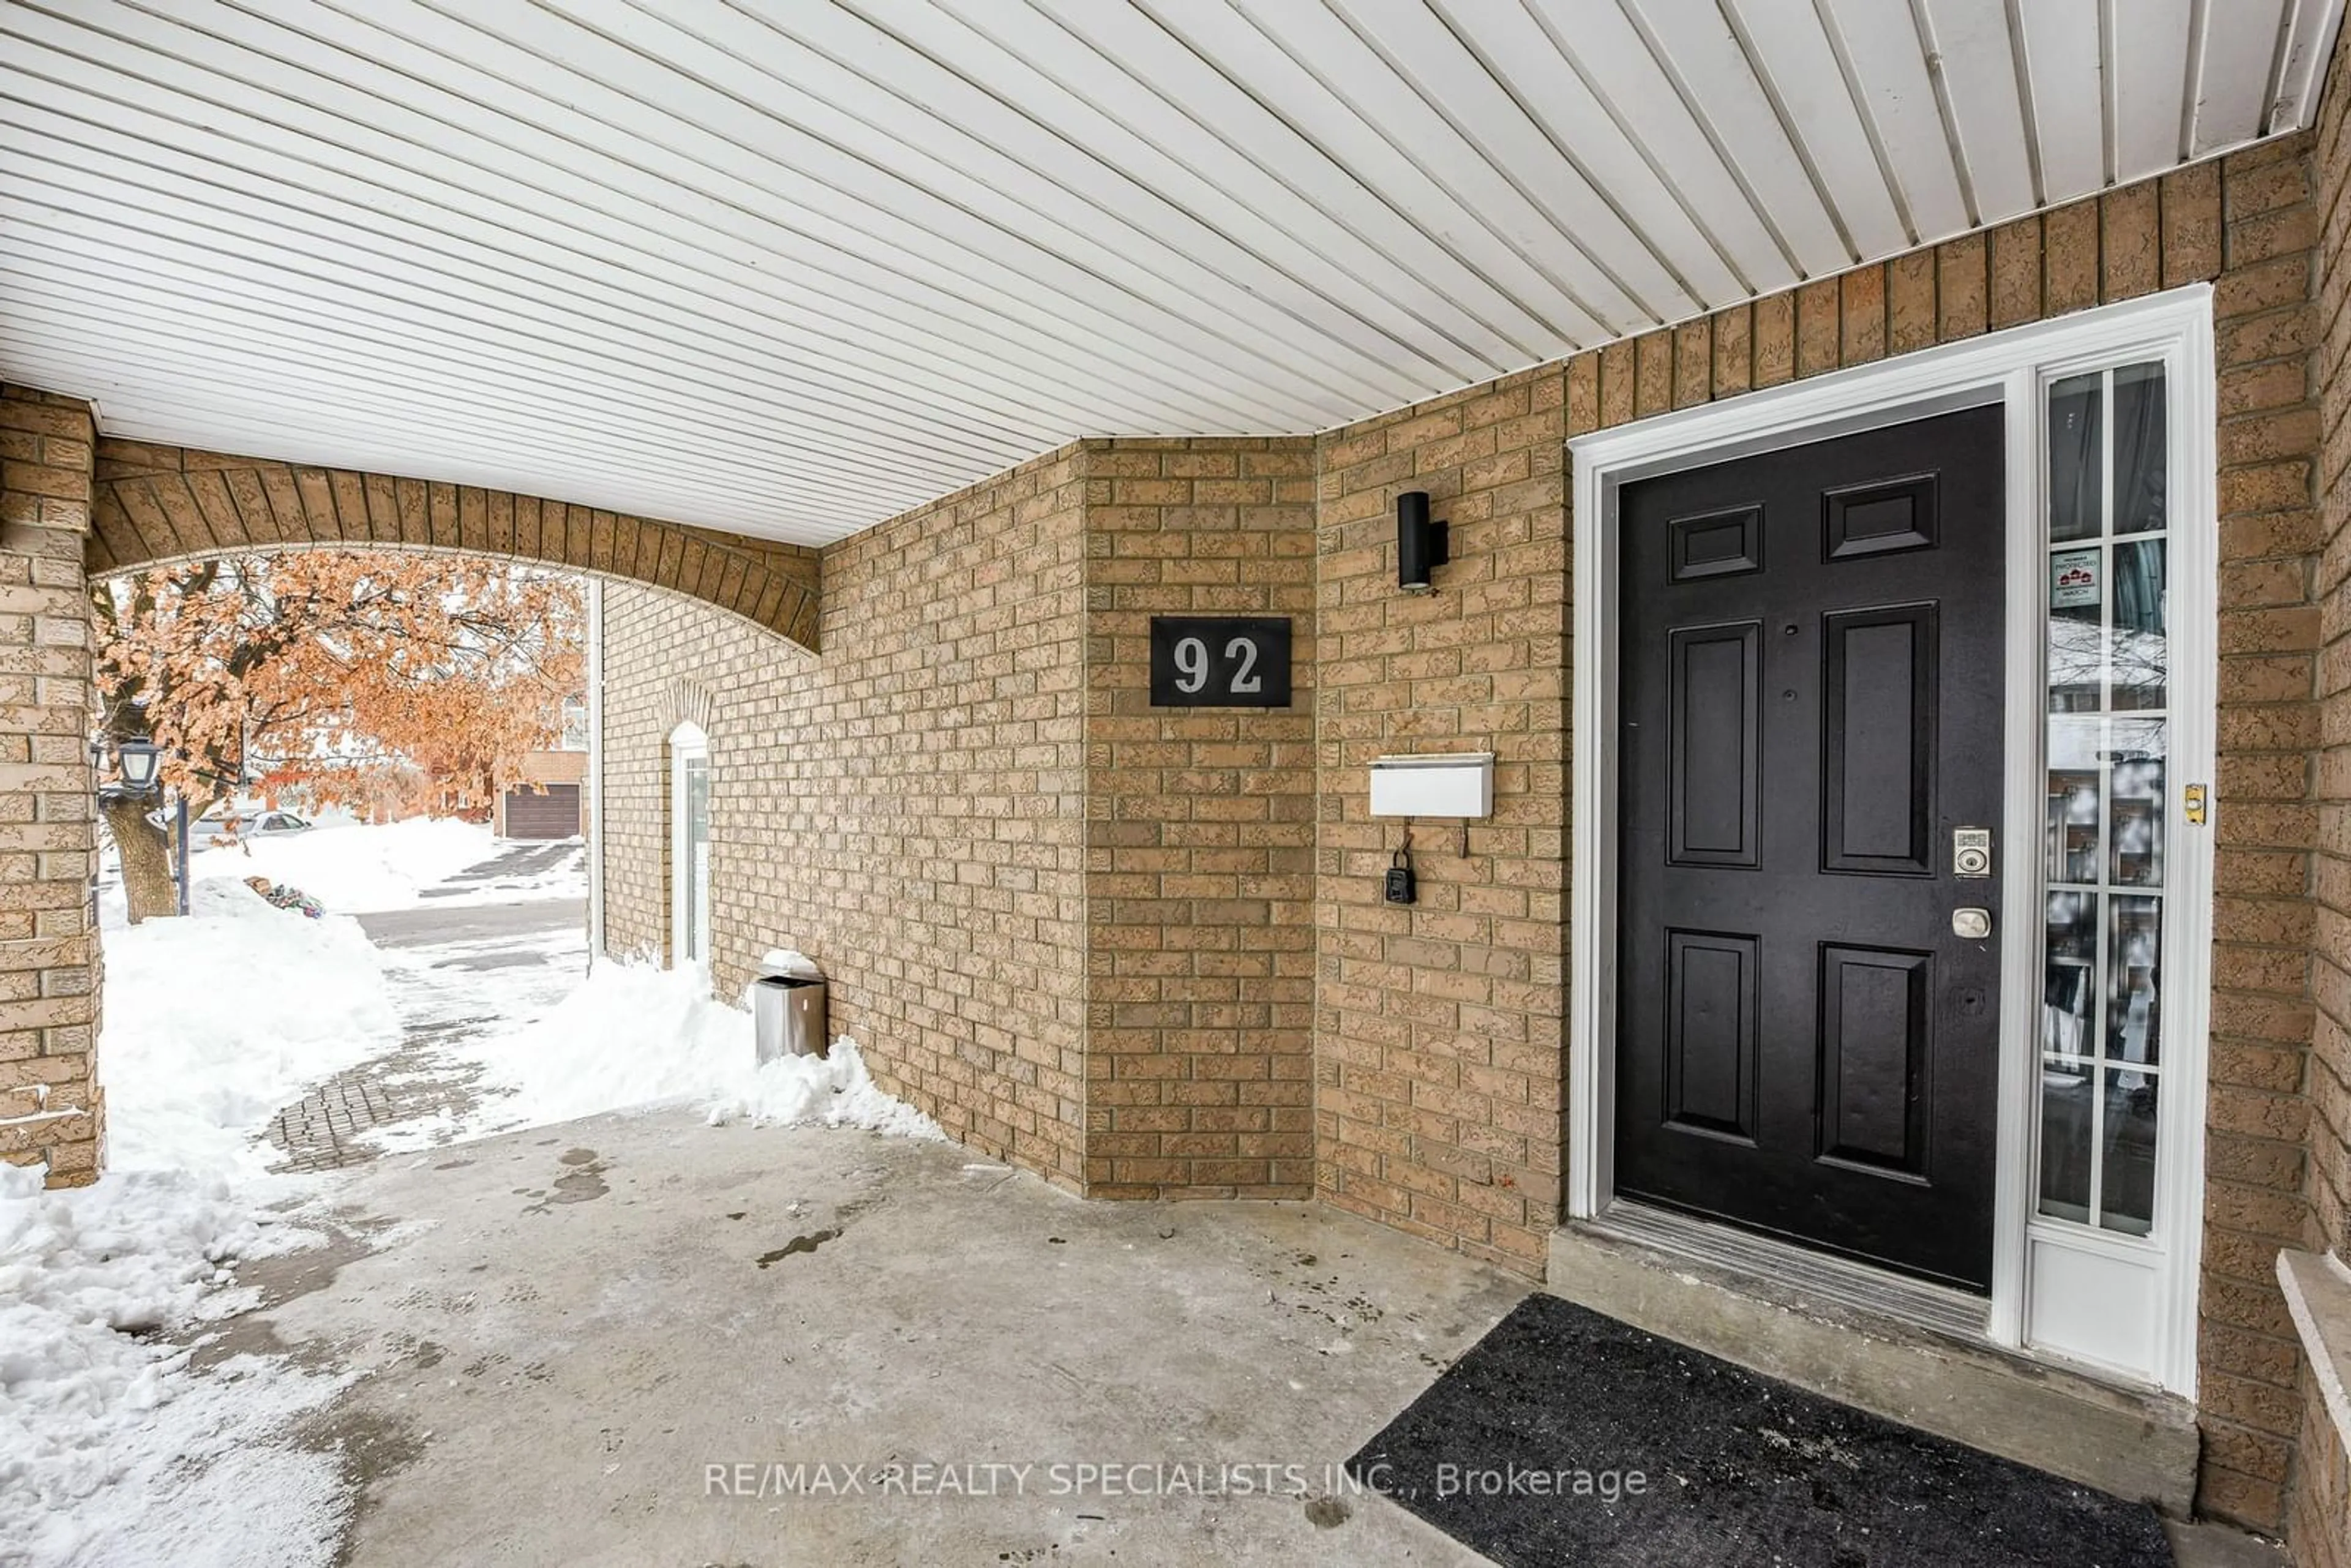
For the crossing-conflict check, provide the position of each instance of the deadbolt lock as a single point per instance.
(1971, 851)
(1973, 924)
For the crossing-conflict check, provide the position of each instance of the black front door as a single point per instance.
(1811, 708)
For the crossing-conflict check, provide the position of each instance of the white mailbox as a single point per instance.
(1458, 785)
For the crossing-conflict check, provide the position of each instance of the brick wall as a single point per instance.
(2330, 1067)
(2262, 910)
(908, 810)
(553, 767)
(2320, 1521)
(643, 631)
(52, 1111)
(154, 505)
(911, 811)
(1440, 1026)
(1200, 830)
(914, 809)
(1439, 1044)
(2318, 1527)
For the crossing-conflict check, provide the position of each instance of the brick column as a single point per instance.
(52, 1111)
(1199, 830)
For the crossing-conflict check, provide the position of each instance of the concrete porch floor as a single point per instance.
(562, 1331)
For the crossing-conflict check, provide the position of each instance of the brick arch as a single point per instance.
(151, 505)
(690, 701)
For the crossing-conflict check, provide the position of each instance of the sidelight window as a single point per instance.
(2106, 748)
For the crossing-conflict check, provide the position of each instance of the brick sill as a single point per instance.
(2318, 1293)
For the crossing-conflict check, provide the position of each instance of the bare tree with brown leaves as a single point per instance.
(343, 672)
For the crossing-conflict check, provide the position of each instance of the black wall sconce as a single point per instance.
(1422, 546)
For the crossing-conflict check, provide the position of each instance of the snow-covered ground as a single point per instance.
(212, 1023)
(114, 1449)
(355, 868)
(628, 1035)
(588, 1055)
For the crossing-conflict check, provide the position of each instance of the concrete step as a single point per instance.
(2135, 1443)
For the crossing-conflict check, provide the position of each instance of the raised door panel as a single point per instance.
(1711, 1033)
(1714, 747)
(1877, 741)
(1874, 1044)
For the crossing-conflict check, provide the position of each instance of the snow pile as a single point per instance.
(348, 867)
(112, 1449)
(629, 1035)
(635, 1035)
(108, 1452)
(835, 1089)
(213, 1023)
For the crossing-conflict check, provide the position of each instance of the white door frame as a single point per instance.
(2009, 367)
(687, 743)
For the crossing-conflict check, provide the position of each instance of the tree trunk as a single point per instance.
(145, 851)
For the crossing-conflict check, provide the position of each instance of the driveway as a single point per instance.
(610, 1343)
(514, 926)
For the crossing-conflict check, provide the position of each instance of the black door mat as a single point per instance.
(1519, 1448)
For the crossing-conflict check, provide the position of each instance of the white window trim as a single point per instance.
(2007, 367)
(687, 741)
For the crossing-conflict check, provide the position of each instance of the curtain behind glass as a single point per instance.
(2139, 449)
(2077, 496)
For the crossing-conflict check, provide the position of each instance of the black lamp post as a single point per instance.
(141, 760)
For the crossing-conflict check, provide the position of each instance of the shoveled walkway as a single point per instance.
(327, 1128)
(444, 1001)
(515, 863)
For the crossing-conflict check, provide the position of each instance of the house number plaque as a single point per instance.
(1219, 661)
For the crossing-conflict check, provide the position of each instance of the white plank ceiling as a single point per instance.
(789, 266)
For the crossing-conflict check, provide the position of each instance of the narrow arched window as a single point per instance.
(689, 858)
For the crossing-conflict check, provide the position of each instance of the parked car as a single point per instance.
(219, 824)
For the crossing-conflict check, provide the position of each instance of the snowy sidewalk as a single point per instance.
(149, 1414)
(456, 974)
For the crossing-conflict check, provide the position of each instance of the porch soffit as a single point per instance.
(788, 268)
